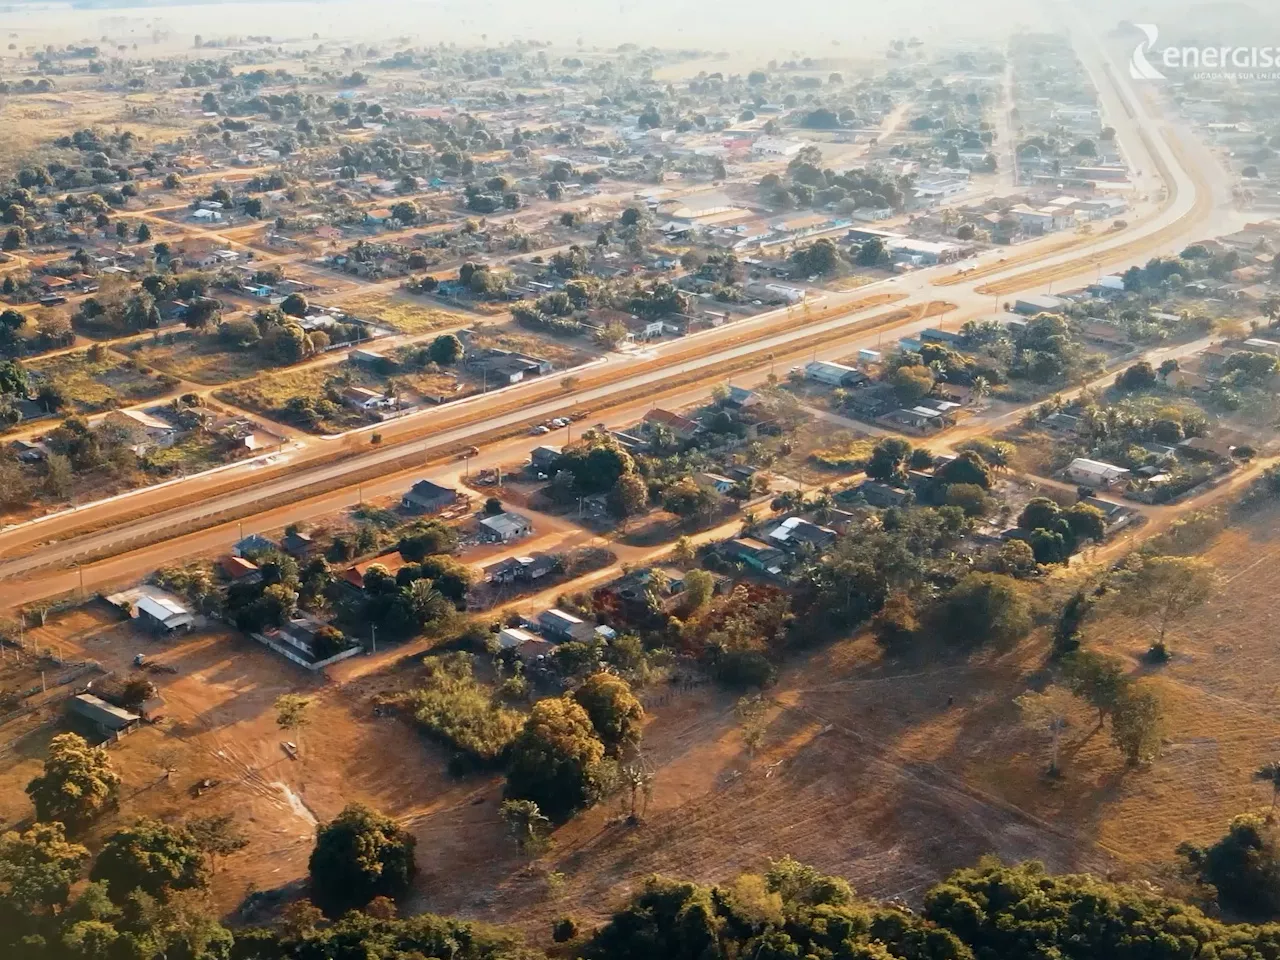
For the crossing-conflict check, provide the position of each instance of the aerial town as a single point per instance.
(486, 497)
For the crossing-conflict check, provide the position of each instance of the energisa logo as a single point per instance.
(1140, 67)
(1221, 62)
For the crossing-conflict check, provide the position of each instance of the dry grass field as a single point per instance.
(197, 357)
(891, 772)
(91, 385)
(411, 315)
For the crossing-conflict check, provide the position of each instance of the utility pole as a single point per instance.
(80, 570)
(374, 628)
(241, 525)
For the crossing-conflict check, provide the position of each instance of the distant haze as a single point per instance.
(807, 27)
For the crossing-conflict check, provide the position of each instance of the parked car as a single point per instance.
(539, 430)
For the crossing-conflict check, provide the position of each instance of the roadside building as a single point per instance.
(428, 497)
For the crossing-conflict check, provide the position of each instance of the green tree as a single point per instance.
(982, 608)
(217, 835)
(629, 496)
(295, 305)
(78, 784)
(143, 234)
(38, 867)
(698, 587)
(292, 711)
(911, 384)
(1270, 773)
(1243, 867)
(888, 460)
(150, 856)
(1098, 679)
(556, 759)
(358, 856)
(406, 211)
(445, 350)
(1163, 590)
(1136, 725)
(614, 711)
(526, 824)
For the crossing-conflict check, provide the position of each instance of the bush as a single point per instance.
(1242, 867)
(453, 708)
(984, 607)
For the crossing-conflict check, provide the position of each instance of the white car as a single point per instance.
(539, 430)
(559, 423)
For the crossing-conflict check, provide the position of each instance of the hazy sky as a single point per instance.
(809, 25)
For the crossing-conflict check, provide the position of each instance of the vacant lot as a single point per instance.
(405, 313)
(91, 381)
(199, 357)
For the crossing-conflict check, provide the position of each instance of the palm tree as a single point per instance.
(1270, 773)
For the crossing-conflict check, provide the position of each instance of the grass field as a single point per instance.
(91, 386)
(198, 357)
(407, 314)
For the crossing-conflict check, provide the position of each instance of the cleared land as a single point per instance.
(198, 357)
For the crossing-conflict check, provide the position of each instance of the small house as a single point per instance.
(427, 497)
(511, 569)
(796, 533)
(365, 400)
(833, 374)
(298, 545)
(758, 556)
(714, 481)
(682, 427)
(878, 494)
(237, 568)
(1096, 473)
(528, 647)
(144, 431)
(504, 527)
(545, 457)
(559, 626)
